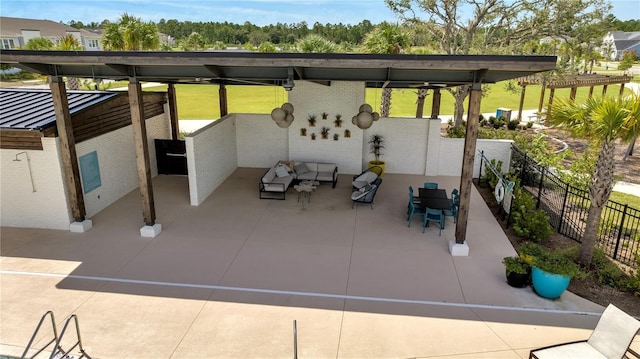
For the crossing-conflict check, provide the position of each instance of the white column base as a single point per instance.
(80, 227)
(458, 250)
(151, 231)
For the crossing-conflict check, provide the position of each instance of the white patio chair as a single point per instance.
(610, 339)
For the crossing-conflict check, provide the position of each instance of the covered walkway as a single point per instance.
(227, 278)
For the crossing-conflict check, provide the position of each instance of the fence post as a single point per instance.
(480, 173)
(523, 170)
(624, 215)
(564, 205)
(540, 187)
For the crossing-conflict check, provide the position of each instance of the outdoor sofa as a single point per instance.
(276, 180)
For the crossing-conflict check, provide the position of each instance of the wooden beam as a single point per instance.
(142, 151)
(70, 165)
(621, 90)
(435, 103)
(590, 91)
(173, 112)
(604, 90)
(214, 70)
(422, 94)
(468, 158)
(572, 93)
(222, 96)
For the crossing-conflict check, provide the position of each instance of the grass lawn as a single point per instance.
(201, 101)
(631, 200)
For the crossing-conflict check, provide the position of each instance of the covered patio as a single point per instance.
(227, 278)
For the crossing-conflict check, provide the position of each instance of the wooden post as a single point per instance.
(422, 94)
(68, 148)
(468, 157)
(572, 94)
(435, 103)
(173, 112)
(551, 93)
(136, 105)
(521, 106)
(621, 90)
(222, 95)
(604, 90)
(590, 91)
(541, 102)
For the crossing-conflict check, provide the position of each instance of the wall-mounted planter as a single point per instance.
(549, 285)
(347, 134)
(303, 132)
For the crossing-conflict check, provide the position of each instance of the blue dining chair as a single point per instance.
(413, 211)
(430, 185)
(454, 193)
(433, 215)
(412, 198)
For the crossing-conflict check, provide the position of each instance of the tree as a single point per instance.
(603, 121)
(39, 43)
(463, 27)
(132, 34)
(386, 39)
(193, 42)
(628, 59)
(316, 43)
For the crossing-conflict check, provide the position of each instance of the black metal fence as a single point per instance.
(568, 207)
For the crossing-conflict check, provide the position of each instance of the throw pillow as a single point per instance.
(301, 168)
(281, 171)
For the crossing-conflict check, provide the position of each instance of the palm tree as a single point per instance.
(604, 121)
(316, 43)
(70, 43)
(39, 43)
(132, 34)
(386, 39)
(195, 41)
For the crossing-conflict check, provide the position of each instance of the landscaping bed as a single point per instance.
(589, 287)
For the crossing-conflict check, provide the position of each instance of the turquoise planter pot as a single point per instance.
(549, 285)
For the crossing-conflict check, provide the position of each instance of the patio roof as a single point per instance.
(233, 68)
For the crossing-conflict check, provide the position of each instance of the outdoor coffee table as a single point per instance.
(306, 188)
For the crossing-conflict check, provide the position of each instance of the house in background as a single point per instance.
(615, 43)
(16, 32)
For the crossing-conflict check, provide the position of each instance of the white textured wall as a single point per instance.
(20, 206)
(211, 157)
(342, 98)
(452, 149)
(405, 144)
(117, 160)
(260, 142)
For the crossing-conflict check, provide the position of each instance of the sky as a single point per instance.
(258, 12)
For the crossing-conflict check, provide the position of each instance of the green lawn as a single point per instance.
(631, 200)
(201, 101)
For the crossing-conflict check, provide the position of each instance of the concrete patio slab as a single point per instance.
(227, 278)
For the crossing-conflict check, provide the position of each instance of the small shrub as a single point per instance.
(529, 124)
(529, 222)
(490, 177)
(513, 124)
(456, 131)
(484, 123)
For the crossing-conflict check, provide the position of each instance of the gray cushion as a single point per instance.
(281, 171)
(301, 169)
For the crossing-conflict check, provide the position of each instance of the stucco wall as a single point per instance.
(260, 142)
(451, 150)
(117, 160)
(47, 206)
(211, 157)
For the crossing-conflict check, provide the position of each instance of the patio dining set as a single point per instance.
(432, 205)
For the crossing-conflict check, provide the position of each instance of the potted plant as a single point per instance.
(313, 136)
(552, 273)
(338, 120)
(376, 145)
(518, 271)
(312, 120)
(336, 136)
(325, 115)
(325, 132)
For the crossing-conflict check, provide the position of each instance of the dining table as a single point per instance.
(434, 199)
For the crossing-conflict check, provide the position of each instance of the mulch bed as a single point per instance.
(588, 288)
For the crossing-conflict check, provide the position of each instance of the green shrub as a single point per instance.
(489, 177)
(456, 131)
(529, 124)
(529, 222)
(513, 124)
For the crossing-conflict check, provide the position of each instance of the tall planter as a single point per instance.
(549, 285)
